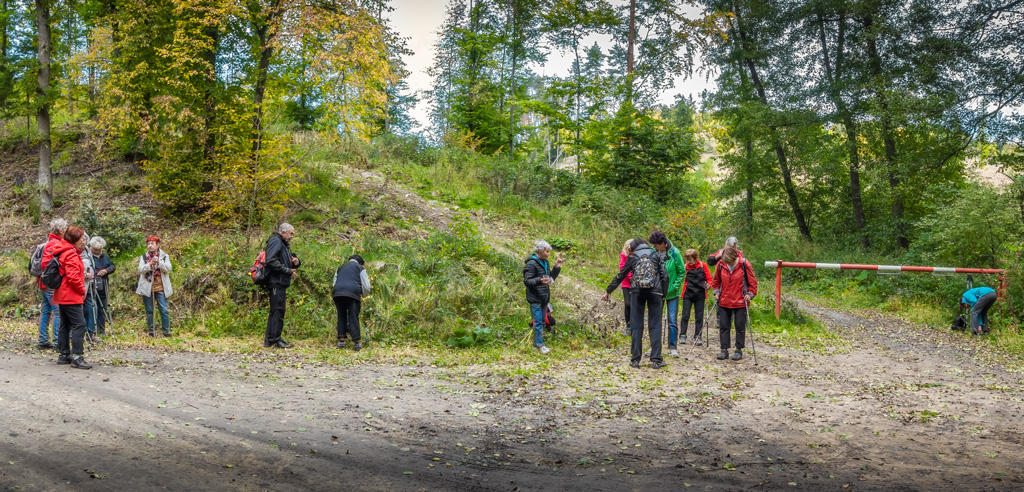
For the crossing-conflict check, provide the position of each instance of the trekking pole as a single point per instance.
(753, 345)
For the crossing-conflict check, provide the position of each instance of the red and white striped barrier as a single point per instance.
(779, 265)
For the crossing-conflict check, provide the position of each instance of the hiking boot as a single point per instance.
(543, 349)
(341, 344)
(44, 345)
(737, 355)
(167, 333)
(724, 355)
(658, 364)
(152, 334)
(699, 343)
(674, 353)
(63, 360)
(357, 347)
(634, 363)
(283, 344)
(682, 340)
(79, 363)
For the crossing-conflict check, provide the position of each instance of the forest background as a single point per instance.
(847, 131)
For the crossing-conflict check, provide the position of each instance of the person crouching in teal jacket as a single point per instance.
(979, 299)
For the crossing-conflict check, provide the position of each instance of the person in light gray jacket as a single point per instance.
(351, 284)
(155, 283)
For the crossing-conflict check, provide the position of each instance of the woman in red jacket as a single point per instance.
(627, 299)
(70, 297)
(734, 285)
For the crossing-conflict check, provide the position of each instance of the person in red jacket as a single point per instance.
(70, 297)
(734, 285)
(627, 299)
(58, 227)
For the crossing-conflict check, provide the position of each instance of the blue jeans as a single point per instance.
(161, 300)
(673, 331)
(90, 320)
(44, 323)
(538, 323)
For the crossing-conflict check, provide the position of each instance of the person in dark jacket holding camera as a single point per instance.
(538, 275)
(650, 284)
(351, 283)
(282, 265)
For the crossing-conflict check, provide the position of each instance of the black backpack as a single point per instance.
(645, 273)
(51, 277)
(959, 324)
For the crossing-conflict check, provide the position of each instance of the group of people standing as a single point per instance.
(80, 302)
(655, 277)
(80, 308)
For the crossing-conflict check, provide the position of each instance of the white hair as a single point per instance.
(285, 227)
(97, 242)
(58, 226)
(541, 245)
(732, 241)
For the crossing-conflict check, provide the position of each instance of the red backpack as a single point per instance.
(258, 271)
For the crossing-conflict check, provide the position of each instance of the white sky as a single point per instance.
(419, 20)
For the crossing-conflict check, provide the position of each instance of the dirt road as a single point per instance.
(903, 408)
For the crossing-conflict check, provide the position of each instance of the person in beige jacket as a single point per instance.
(155, 283)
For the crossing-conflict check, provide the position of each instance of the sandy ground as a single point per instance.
(901, 408)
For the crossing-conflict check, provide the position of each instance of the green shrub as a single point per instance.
(119, 225)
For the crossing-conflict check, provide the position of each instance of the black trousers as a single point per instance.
(627, 301)
(698, 316)
(725, 318)
(348, 317)
(275, 320)
(646, 298)
(70, 337)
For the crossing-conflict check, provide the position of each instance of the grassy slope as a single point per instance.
(446, 271)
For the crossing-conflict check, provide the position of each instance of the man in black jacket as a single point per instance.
(649, 284)
(282, 265)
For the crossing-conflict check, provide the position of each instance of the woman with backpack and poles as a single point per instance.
(58, 227)
(649, 283)
(734, 286)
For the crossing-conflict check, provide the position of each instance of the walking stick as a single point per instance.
(753, 344)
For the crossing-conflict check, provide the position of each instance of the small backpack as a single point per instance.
(35, 262)
(644, 272)
(258, 271)
(959, 324)
(51, 277)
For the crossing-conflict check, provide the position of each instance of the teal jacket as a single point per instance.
(676, 271)
(971, 297)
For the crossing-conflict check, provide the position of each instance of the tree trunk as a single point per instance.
(780, 151)
(629, 50)
(43, 111)
(891, 156)
(266, 30)
(748, 166)
(833, 76)
(210, 102)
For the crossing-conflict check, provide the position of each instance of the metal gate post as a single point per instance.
(778, 290)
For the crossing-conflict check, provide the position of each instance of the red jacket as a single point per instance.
(693, 271)
(730, 284)
(622, 261)
(72, 288)
(52, 241)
